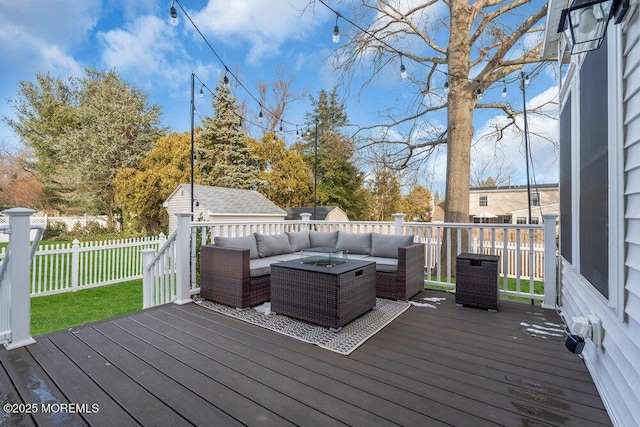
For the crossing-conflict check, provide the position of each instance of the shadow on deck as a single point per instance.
(183, 365)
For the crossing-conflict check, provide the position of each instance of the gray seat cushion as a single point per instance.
(298, 240)
(386, 245)
(269, 245)
(246, 242)
(260, 266)
(323, 239)
(387, 265)
(355, 243)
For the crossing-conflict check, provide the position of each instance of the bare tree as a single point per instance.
(467, 45)
(281, 96)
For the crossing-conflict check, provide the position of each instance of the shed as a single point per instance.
(221, 204)
(323, 213)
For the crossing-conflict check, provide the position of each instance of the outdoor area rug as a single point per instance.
(344, 341)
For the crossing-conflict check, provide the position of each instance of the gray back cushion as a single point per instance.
(323, 239)
(298, 240)
(272, 245)
(386, 245)
(359, 243)
(246, 242)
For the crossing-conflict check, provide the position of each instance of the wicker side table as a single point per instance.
(477, 280)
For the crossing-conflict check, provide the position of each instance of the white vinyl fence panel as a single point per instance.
(65, 267)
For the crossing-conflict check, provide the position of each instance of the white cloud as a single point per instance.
(265, 25)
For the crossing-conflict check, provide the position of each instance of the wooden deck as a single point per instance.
(182, 365)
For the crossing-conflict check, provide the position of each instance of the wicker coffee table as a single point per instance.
(327, 296)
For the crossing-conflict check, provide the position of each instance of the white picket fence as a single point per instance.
(69, 222)
(78, 265)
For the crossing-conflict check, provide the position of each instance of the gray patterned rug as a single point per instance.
(346, 340)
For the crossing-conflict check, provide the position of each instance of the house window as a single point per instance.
(535, 199)
(566, 244)
(593, 216)
(535, 220)
(521, 220)
(483, 200)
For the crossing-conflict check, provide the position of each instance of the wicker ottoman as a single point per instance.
(326, 296)
(477, 280)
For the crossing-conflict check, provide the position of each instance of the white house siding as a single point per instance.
(180, 202)
(615, 367)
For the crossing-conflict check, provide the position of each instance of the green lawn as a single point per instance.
(62, 311)
(538, 286)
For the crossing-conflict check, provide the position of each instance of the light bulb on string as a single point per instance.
(504, 92)
(403, 69)
(336, 31)
(446, 86)
(479, 93)
(173, 15)
(201, 92)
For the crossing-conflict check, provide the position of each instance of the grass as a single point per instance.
(538, 287)
(62, 311)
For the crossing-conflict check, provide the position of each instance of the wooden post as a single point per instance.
(550, 276)
(398, 219)
(183, 258)
(19, 276)
(148, 295)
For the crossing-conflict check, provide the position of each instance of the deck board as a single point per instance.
(186, 365)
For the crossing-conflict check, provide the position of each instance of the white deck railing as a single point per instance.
(15, 307)
(524, 272)
(65, 267)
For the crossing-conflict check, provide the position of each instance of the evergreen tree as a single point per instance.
(223, 156)
(339, 181)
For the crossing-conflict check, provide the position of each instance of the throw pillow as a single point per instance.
(386, 245)
(246, 242)
(269, 245)
(298, 240)
(323, 239)
(355, 243)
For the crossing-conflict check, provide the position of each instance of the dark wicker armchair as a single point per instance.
(408, 280)
(224, 278)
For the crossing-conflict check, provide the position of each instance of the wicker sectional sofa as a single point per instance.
(236, 271)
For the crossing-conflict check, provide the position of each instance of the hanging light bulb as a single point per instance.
(403, 69)
(225, 80)
(281, 130)
(504, 92)
(201, 92)
(336, 30)
(526, 79)
(446, 86)
(173, 15)
(260, 115)
(479, 93)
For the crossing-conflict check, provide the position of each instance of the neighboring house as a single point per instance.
(508, 204)
(221, 204)
(599, 133)
(323, 213)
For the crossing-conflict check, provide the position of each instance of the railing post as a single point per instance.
(75, 264)
(476, 245)
(147, 278)
(306, 217)
(183, 255)
(550, 277)
(18, 268)
(398, 218)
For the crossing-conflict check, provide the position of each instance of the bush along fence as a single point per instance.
(78, 265)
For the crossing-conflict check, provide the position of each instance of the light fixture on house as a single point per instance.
(336, 30)
(584, 22)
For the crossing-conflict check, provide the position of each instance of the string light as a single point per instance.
(281, 131)
(226, 80)
(403, 70)
(479, 93)
(526, 79)
(446, 86)
(173, 15)
(336, 30)
(504, 91)
(201, 92)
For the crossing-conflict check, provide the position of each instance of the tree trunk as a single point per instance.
(461, 102)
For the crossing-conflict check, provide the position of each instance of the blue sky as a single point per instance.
(254, 38)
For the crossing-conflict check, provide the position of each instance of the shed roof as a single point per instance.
(321, 212)
(230, 200)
